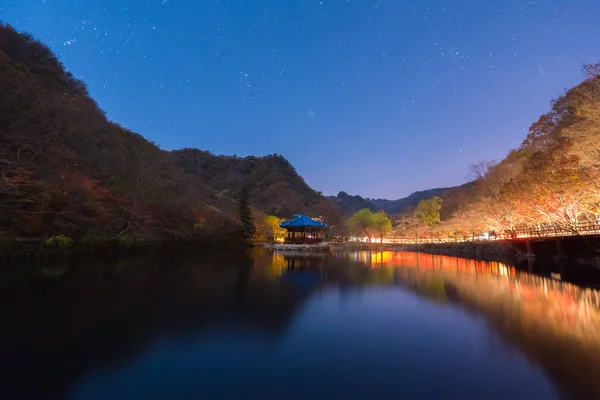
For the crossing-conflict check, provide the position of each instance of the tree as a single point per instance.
(592, 70)
(361, 222)
(428, 211)
(583, 103)
(276, 232)
(248, 228)
(556, 193)
(381, 223)
(497, 195)
(465, 221)
(409, 225)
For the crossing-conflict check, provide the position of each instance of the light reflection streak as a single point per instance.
(568, 308)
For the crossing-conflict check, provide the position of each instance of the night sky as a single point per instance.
(377, 98)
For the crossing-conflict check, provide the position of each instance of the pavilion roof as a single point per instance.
(300, 221)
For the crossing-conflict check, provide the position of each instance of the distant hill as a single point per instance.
(66, 170)
(349, 204)
(397, 206)
(451, 197)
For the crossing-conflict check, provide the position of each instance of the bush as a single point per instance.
(61, 241)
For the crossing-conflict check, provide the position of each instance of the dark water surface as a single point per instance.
(262, 325)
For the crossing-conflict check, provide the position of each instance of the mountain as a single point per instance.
(397, 206)
(65, 169)
(451, 197)
(349, 204)
(274, 185)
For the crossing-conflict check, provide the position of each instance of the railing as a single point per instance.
(553, 231)
(524, 233)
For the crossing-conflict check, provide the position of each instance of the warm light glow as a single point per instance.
(503, 270)
(382, 258)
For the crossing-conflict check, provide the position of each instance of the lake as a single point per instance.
(257, 324)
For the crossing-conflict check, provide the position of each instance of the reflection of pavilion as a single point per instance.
(305, 261)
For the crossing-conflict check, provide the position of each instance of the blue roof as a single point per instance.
(302, 221)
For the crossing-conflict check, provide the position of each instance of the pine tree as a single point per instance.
(248, 228)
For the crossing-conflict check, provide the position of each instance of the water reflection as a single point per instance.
(349, 323)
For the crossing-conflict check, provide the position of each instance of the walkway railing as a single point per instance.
(553, 231)
(524, 233)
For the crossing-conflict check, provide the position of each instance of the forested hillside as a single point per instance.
(551, 180)
(274, 185)
(66, 170)
(553, 177)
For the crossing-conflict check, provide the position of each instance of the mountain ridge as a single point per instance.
(349, 204)
(412, 200)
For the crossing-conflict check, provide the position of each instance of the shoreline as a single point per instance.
(35, 248)
(490, 251)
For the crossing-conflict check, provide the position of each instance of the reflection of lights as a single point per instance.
(381, 258)
(502, 270)
(535, 298)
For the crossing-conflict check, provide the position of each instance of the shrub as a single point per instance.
(61, 241)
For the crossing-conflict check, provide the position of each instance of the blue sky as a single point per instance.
(378, 98)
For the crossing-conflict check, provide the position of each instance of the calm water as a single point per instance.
(264, 325)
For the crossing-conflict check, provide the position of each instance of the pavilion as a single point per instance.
(303, 230)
